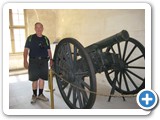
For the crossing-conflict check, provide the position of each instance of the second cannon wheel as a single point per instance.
(131, 75)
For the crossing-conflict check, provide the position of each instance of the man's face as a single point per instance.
(39, 29)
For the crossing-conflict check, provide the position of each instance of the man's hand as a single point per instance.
(51, 62)
(26, 64)
(50, 56)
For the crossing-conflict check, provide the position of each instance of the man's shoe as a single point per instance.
(42, 97)
(34, 98)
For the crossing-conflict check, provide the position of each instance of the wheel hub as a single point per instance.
(122, 65)
(71, 76)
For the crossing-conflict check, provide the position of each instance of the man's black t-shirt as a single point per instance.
(38, 46)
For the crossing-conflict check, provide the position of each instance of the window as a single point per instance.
(19, 37)
(17, 30)
(18, 16)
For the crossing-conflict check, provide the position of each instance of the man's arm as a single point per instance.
(50, 57)
(25, 55)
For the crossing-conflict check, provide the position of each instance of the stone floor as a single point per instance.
(20, 94)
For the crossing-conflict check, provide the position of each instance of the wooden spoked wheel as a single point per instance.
(74, 66)
(131, 72)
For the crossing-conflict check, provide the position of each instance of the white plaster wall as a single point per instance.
(87, 26)
(90, 26)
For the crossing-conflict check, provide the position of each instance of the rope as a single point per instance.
(89, 91)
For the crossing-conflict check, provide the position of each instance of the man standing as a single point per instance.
(38, 47)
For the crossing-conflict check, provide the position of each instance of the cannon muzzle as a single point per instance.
(121, 36)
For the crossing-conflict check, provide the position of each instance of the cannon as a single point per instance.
(120, 57)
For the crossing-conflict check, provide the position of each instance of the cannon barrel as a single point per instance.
(121, 36)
